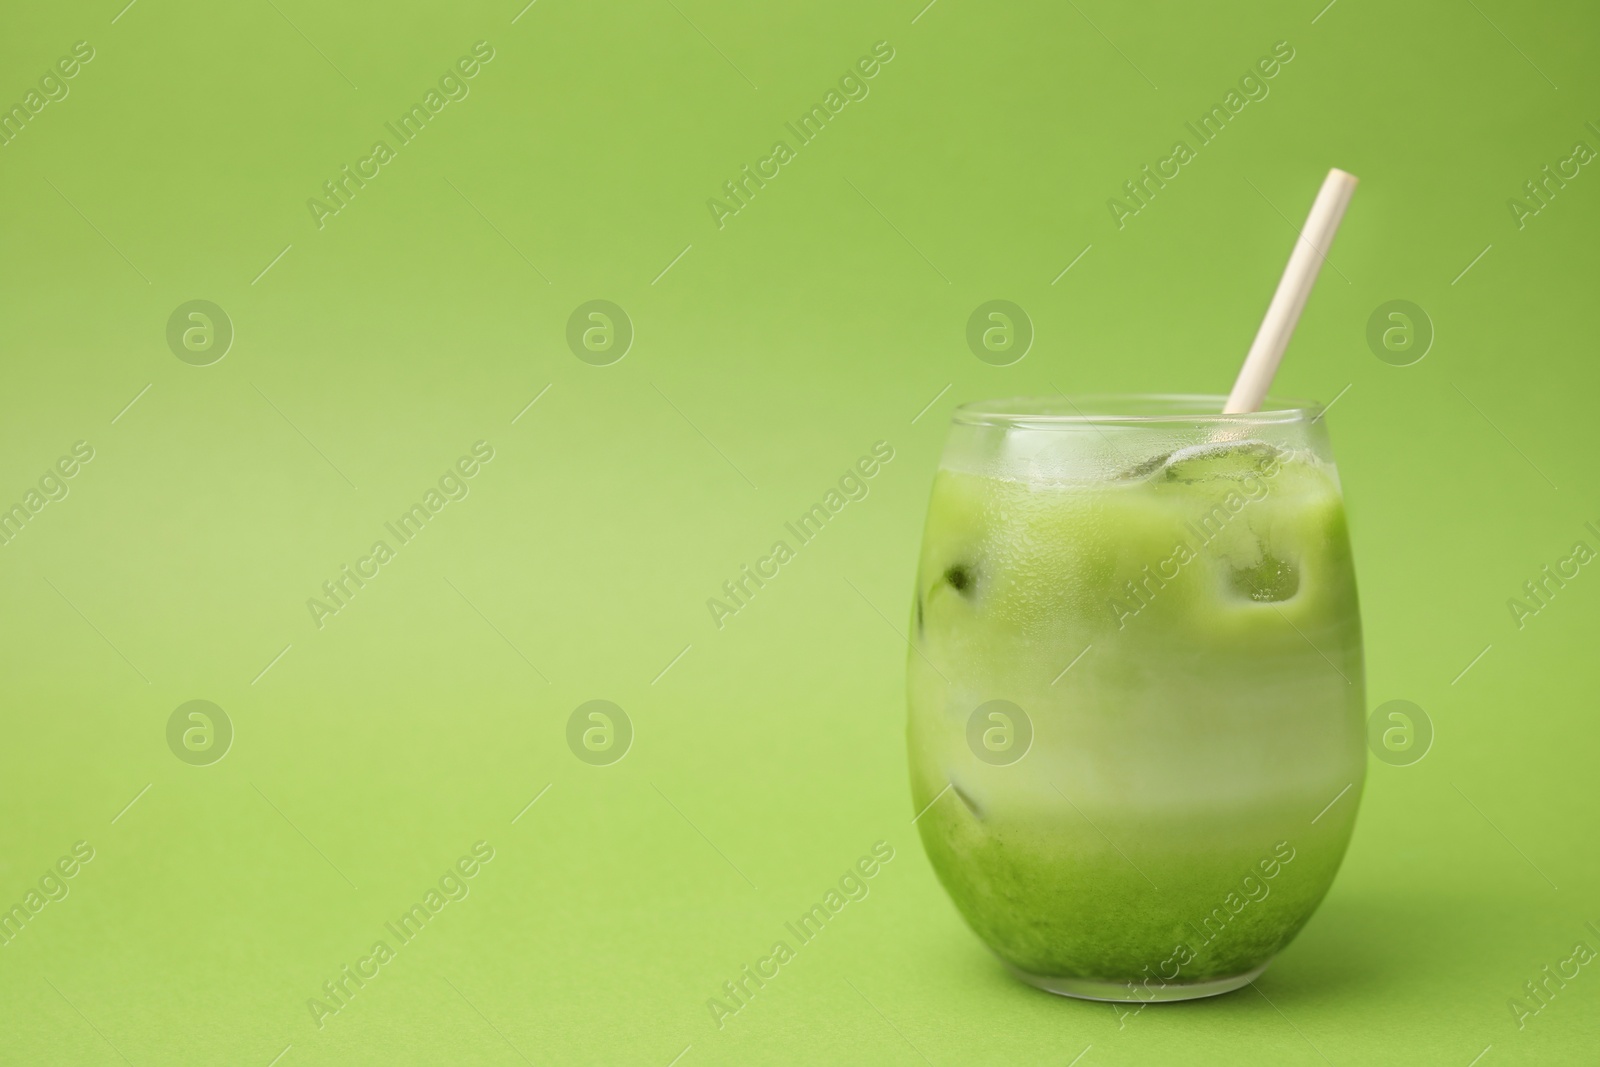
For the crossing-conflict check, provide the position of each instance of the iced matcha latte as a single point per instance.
(1135, 688)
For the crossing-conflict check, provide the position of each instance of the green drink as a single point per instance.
(1135, 688)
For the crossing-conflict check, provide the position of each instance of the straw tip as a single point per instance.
(1342, 176)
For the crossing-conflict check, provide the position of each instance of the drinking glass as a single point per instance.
(1135, 687)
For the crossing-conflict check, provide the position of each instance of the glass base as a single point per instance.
(1121, 993)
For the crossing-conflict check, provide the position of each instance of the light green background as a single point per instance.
(823, 318)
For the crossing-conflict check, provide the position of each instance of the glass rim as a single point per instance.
(1124, 409)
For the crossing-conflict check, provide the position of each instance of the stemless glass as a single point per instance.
(1135, 687)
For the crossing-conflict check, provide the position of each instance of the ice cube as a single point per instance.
(1232, 459)
(1147, 468)
(1270, 580)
